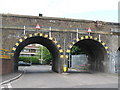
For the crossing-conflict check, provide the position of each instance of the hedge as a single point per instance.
(32, 59)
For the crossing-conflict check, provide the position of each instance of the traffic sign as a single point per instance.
(37, 26)
(89, 30)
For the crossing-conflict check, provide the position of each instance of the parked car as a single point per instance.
(21, 63)
(50, 62)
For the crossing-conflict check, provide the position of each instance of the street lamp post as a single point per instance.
(41, 54)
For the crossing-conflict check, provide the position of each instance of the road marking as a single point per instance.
(65, 73)
(9, 85)
(13, 79)
(2, 87)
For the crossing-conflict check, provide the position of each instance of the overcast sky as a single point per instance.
(104, 10)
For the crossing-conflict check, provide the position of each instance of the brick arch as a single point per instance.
(83, 38)
(41, 35)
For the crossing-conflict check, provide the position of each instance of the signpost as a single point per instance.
(24, 30)
(50, 32)
(77, 34)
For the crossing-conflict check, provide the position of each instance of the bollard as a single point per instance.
(64, 68)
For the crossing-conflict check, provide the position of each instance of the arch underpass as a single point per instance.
(39, 38)
(119, 49)
(96, 51)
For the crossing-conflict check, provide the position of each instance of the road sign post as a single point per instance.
(77, 34)
(50, 32)
(24, 30)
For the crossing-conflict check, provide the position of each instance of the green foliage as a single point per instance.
(76, 51)
(32, 59)
(42, 51)
(46, 55)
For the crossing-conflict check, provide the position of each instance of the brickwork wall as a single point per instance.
(11, 36)
(6, 66)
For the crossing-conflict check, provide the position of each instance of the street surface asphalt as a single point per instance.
(41, 76)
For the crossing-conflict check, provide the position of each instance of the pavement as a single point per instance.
(41, 76)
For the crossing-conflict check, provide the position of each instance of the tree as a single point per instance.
(45, 54)
(76, 51)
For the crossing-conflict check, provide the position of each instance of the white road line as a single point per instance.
(2, 87)
(9, 85)
(10, 80)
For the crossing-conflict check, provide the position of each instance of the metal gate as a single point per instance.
(114, 63)
(80, 62)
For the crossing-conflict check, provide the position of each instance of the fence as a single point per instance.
(114, 62)
(80, 62)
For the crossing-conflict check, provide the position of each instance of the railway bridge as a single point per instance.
(58, 35)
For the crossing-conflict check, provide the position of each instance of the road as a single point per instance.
(41, 76)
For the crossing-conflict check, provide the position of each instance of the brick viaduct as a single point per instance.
(58, 35)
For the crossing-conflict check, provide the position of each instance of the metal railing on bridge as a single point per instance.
(58, 29)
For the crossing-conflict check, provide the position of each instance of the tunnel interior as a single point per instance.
(96, 54)
(49, 44)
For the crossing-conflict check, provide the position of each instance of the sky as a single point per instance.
(102, 10)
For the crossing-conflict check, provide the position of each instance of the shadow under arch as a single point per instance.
(43, 39)
(96, 50)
